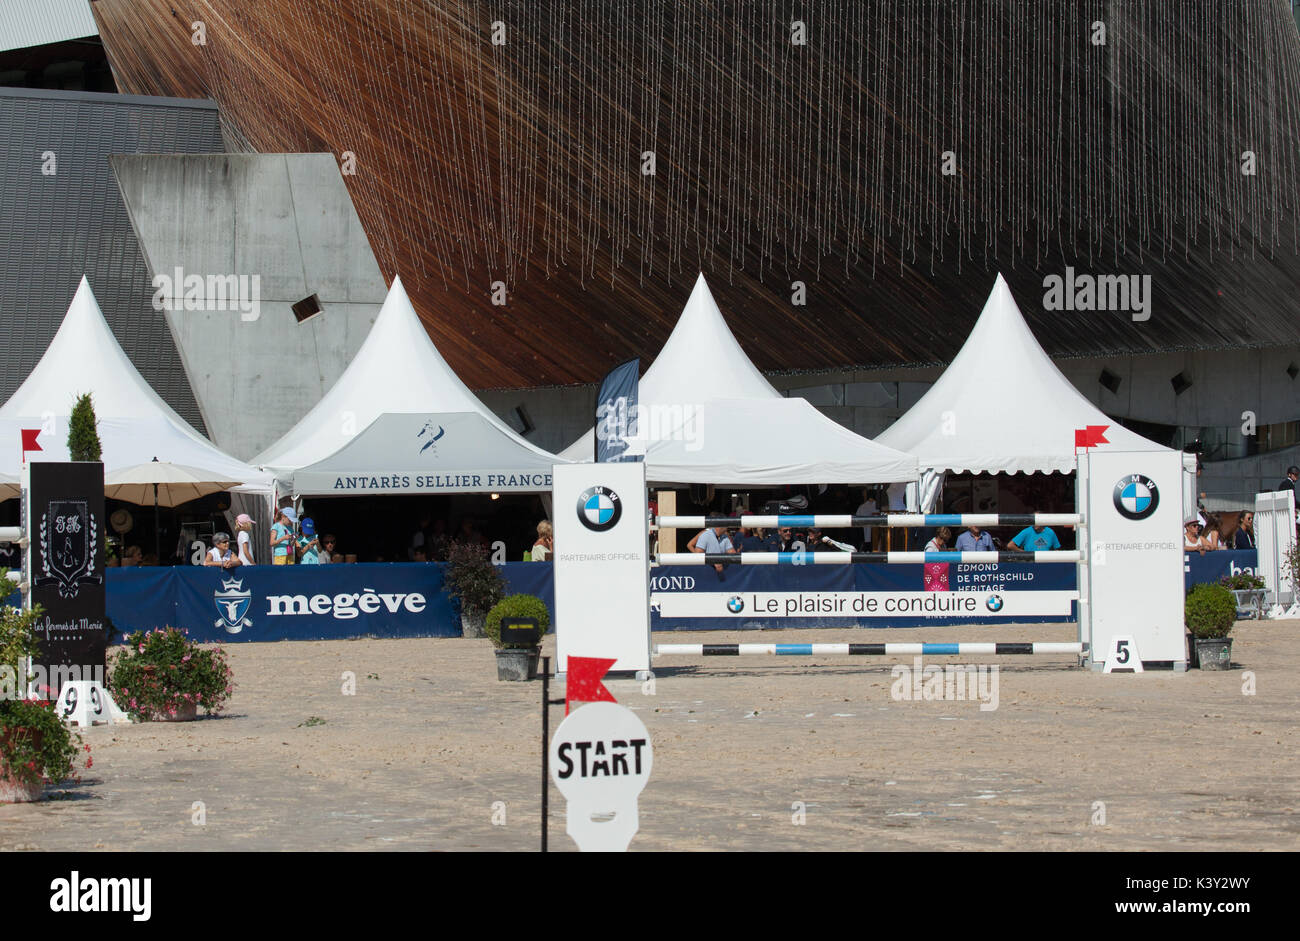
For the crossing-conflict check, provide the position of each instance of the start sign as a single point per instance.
(600, 759)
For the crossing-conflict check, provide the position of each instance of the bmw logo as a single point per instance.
(994, 603)
(735, 604)
(1136, 497)
(599, 508)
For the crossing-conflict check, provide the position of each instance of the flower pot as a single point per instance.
(14, 791)
(472, 621)
(186, 712)
(517, 663)
(1214, 653)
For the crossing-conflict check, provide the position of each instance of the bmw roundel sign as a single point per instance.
(599, 508)
(1136, 497)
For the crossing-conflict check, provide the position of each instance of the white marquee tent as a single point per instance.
(399, 420)
(1002, 406)
(726, 424)
(135, 425)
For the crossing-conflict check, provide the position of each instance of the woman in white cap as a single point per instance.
(244, 526)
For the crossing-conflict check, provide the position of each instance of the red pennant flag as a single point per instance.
(583, 681)
(1090, 436)
(29, 440)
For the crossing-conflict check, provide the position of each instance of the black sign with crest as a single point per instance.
(65, 513)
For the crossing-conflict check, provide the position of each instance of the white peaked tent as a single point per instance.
(1002, 406)
(399, 420)
(135, 425)
(709, 416)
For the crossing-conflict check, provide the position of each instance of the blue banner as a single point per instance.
(1213, 566)
(300, 602)
(616, 413)
(329, 602)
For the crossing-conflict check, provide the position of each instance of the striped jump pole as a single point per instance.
(866, 650)
(829, 557)
(893, 520)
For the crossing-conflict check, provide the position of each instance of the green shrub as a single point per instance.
(83, 439)
(516, 606)
(158, 673)
(1210, 611)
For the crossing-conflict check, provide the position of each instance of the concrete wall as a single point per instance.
(288, 219)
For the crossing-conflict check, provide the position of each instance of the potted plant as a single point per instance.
(163, 676)
(1249, 591)
(518, 661)
(1209, 612)
(36, 747)
(475, 582)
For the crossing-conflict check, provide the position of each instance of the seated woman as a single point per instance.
(220, 554)
(1192, 541)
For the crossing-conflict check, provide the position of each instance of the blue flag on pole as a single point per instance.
(616, 414)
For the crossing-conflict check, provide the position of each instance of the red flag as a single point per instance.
(29, 439)
(583, 681)
(1090, 436)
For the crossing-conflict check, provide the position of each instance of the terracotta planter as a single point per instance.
(13, 790)
(184, 713)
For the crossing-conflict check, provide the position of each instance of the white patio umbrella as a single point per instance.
(161, 483)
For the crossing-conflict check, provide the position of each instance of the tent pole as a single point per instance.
(157, 526)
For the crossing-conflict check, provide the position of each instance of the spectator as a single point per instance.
(940, 541)
(418, 555)
(1289, 482)
(1036, 539)
(1209, 531)
(244, 526)
(974, 541)
(934, 575)
(1192, 541)
(544, 547)
(132, 557)
(1244, 537)
(220, 554)
(282, 538)
(326, 552)
(711, 542)
(870, 506)
(783, 540)
(308, 542)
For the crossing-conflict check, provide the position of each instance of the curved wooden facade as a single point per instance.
(776, 161)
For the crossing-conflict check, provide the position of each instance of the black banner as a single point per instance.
(65, 510)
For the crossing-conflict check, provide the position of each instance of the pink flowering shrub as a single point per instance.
(159, 673)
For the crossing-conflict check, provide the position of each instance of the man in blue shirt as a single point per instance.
(1036, 539)
(972, 540)
(711, 541)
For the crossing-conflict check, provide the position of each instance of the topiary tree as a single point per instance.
(83, 439)
(516, 606)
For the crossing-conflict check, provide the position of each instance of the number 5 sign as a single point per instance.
(1123, 655)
